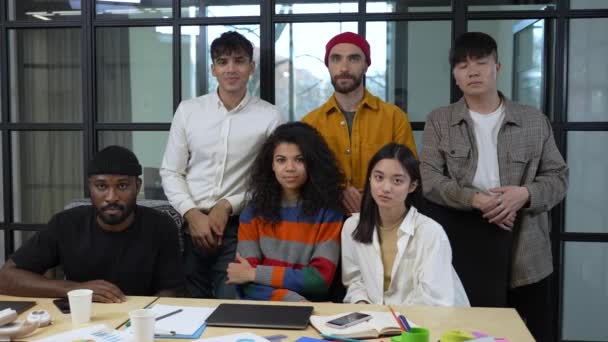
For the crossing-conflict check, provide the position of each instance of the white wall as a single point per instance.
(428, 70)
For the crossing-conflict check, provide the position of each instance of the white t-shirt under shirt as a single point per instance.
(486, 127)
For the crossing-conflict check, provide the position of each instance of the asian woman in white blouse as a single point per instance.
(391, 253)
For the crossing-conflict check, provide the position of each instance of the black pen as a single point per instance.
(164, 333)
(169, 314)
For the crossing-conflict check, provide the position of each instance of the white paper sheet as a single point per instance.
(243, 337)
(185, 322)
(97, 333)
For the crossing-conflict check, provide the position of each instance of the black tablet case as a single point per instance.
(260, 316)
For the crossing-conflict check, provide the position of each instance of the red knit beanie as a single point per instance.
(350, 38)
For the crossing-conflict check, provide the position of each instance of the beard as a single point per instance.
(114, 219)
(347, 88)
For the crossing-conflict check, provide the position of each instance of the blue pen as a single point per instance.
(405, 323)
(337, 338)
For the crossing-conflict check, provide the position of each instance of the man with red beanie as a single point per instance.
(355, 123)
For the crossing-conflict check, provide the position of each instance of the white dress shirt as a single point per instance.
(210, 150)
(486, 127)
(422, 272)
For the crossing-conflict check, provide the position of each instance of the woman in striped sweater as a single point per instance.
(289, 234)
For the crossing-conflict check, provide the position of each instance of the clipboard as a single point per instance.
(171, 320)
(196, 334)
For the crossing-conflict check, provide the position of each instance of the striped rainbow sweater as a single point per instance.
(296, 259)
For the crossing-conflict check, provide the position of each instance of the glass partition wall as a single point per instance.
(79, 75)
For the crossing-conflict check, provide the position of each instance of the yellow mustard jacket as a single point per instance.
(376, 124)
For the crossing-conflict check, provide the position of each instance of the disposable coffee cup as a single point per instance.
(80, 305)
(142, 325)
(414, 335)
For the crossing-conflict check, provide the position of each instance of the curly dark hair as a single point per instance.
(323, 186)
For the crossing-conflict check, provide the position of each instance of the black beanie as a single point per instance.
(114, 160)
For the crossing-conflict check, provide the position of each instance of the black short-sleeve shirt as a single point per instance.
(141, 260)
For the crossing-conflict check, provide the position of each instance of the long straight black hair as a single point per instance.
(370, 216)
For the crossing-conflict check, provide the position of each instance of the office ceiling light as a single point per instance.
(41, 17)
(122, 1)
(47, 15)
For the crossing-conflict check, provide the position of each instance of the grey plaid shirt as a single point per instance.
(527, 156)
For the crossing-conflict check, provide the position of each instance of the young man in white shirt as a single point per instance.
(213, 142)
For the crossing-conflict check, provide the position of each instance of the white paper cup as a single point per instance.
(142, 324)
(80, 305)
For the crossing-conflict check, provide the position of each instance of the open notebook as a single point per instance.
(381, 324)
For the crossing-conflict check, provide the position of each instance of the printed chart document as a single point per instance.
(94, 333)
(249, 337)
(381, 324)
(188, 323)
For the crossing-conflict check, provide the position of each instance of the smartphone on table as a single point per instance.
(348, 320)
(63, 305)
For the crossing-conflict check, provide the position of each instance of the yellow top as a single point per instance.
(376, 124)
(388, 250)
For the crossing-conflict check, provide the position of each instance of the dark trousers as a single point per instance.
(206, 271)
(534, 304)
(481, 253)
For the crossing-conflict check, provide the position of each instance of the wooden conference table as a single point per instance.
(497, 322)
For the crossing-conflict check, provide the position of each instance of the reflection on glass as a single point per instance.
(148, 147)
(528, 65)
(588, 70)
(588, 4)
(520, 79)
(299, 7)
(302, 82)
(44, 10)
(585, 298)
(586, 205)
(402, 6)
(47, 173)
(134, 74)
(409, 65)
(196, 58)
(45, 75)
(510, 5)
(238, 8)
(133, 9)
